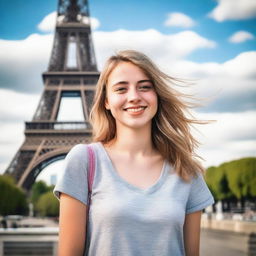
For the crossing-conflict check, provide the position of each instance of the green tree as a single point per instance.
(48, 205)
(242, 176)
(234, 179)
(210, 178)
(12, 199)
(218, 183)
(38, 189)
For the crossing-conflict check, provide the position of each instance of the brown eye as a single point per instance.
(145, 87)
(120, 89)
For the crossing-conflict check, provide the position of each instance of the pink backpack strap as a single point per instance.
(91, 172)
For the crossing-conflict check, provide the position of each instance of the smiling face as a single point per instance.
(131, 96)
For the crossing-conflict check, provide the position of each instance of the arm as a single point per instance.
(191, 232)
(72, 225)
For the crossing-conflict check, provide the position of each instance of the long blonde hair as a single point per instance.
(171, 129)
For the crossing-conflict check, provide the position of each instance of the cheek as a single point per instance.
(152, 98)
(154, 102)
(114, 101)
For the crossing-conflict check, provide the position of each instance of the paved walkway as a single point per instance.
(220, 243)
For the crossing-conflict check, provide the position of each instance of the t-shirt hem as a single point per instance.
(201, 206)
(57, 193)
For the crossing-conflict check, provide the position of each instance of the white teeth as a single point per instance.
(135, 109)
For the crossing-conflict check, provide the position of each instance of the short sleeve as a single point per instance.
(73, 179)
(200, 196)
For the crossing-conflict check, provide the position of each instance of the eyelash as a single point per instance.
(146, 87)
(143, 87)
(120, 89)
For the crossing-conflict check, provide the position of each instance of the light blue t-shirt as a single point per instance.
(125, 220)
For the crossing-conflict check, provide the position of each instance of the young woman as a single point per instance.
(148, 190)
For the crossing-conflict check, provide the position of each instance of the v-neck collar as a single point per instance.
(115, 174)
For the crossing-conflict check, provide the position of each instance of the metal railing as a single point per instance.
(45, 125)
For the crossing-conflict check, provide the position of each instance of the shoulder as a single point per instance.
(191, 183)
(196, 181)
(79, 151)
(198, 177)
(77, 156)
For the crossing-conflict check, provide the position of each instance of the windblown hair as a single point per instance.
(171, 128)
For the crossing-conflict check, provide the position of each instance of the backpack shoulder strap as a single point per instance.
(91, 171)
(91, 167)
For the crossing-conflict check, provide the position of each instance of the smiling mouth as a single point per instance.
(133, 110)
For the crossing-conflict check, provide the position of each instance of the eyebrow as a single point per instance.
(139, 82)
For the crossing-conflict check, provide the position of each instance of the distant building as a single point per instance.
(53, 179)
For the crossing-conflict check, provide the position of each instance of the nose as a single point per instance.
(134, 95)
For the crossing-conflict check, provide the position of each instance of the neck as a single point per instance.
(133, 141)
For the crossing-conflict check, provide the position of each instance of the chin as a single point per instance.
(136, 125)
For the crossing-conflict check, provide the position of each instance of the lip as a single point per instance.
(134, 107)
(135, 113)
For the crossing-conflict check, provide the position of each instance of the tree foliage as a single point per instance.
(235, 179)
(48, 205)
(12, 199)
(38, 189)
(45, 204)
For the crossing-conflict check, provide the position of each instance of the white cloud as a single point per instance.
(49, 22)
(241, 36)
(161, 47)
(228, 86)
(23, 61)
(15, 108)
(234, 10)
(229, 151)
(177, 19)
(228, 127)
(232, 136)
(95, 23)
(235, 76)
(11, 137)
(242, 65)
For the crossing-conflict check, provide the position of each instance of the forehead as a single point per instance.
(126, 71)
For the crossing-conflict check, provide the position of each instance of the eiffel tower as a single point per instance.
(72, 72)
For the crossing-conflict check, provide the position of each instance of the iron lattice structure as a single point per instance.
(72, 71)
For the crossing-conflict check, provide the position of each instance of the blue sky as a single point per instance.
(19, 19)
(211, 42)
